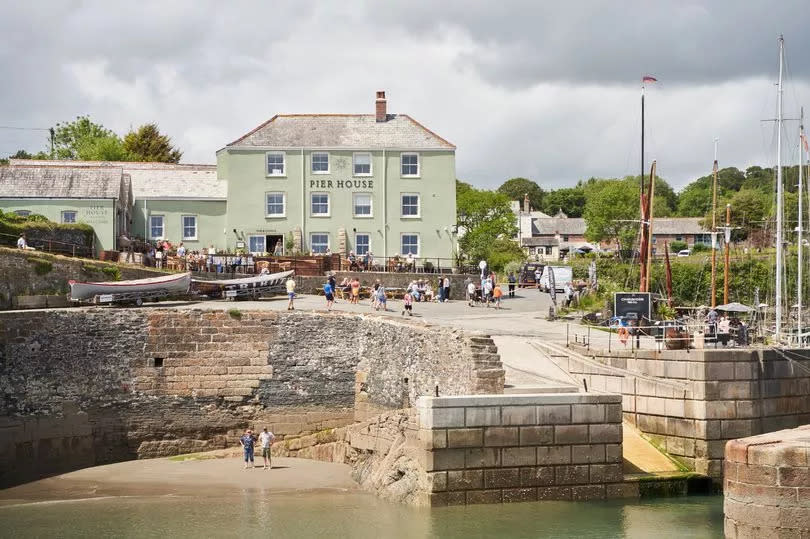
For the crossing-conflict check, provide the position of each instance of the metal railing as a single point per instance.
(48, 246)
(667, 334)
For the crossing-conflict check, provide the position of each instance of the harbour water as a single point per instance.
(357, 515)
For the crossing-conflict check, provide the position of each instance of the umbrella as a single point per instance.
(734, 307)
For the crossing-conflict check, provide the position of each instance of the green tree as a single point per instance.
(517, 188)
(22, 154)
(569, 200)
(488, 225)
(85, 140)
(612, 211)
(148, 144)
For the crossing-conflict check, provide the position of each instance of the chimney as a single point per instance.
(381, 106)
(526, 207)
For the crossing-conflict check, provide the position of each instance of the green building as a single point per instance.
(98, 196)
(342, 182)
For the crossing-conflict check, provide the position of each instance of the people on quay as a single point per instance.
(723, 330)
(512, 280)
(428, 291)
(345, 288)
(332, 280)
(374, 289)
(470, 293)
(247, 441)
(440, 289)
(181, 250)
(537, 275)
(355, 290)
(21, 243)
(409, 262)
(329, 293)
(367, 260)
(486, 291)
(266, 438)
(278, 249)
(290, 293)
(407, 304)
(352, 261)
(496, 295)
(446, 285)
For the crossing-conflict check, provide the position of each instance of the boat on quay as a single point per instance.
(136, 290)
(245, 287)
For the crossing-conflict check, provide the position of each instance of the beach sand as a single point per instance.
(199, 477)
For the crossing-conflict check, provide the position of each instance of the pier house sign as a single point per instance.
(341, 184)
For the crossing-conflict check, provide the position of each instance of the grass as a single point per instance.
(41, 266)
(191, 456)
(235, 313)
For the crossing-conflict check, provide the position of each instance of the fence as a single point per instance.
(49, 246)
(668, 335)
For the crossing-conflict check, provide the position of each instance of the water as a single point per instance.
(358, 515)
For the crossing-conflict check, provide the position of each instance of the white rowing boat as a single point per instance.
(165, 284)
(257, 282)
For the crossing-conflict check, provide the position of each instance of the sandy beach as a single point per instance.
(206, 477)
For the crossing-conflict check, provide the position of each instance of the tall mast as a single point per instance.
(727, 237)
(650, 202)
(642, 251)
(779, 192)
(714, 228)
(801, 195)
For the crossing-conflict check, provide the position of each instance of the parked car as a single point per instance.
(685, 252)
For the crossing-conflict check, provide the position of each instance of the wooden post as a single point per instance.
(650, 212)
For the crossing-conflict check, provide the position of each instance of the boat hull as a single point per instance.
(244, 285)
(170, 284)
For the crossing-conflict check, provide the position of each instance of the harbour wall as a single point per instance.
(94, 386)
(690, 403)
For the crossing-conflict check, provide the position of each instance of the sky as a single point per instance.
(530, 89)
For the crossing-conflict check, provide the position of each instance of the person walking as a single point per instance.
(332, 282)
(373, 294)
(355, 290)
(486, 291)
(440, 290)
(408, 304)
(266, 438)
(290, 293)
(471, 294)
(329, 292)
(496, 294)
(512, 280)
(381, 299)
(247, 441)
(446, 285)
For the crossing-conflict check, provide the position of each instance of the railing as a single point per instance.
(667, 334)
(48, 246)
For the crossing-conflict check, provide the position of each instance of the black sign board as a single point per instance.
(632, 305)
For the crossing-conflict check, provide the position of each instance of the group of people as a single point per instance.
(248, 442)
(722, 328)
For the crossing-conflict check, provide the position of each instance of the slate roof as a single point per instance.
(152, 180)
(60, 182)
(361, 131)
(575, 226)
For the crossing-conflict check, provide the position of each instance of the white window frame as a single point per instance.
(264, 243)
(267, 171)
(312, 163)
(418, 206)
(183, 227)
(75, 217)
(418, 165)
(370, 165)
(283, 213)
(370, 213)
(311, 244)
(162, 227)
(370, 235)
(22, 213)
(418, 252)
(328, 204)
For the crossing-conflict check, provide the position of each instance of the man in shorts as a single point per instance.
(328, 291)
(247, 440)
(266, 439)
(408, 304)
(290, 293)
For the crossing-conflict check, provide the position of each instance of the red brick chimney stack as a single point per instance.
(381, 103)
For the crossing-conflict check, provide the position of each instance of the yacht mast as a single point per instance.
(801, 195)
(779, 194)
(714, 228)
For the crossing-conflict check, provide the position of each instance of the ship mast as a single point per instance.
(779, 193)
(801, 195)
(714, 228)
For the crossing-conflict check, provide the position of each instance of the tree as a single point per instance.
(569, 200)
(612, 212)
(517, 188)
(22, 154)
(147, 144)
(488, 225)
(84, 140)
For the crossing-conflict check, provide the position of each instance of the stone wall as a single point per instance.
(24, 273)
(691, 403)
(145, 383)
(509, 448)
(767, 485)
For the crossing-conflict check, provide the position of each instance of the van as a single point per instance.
(685, 252)
(562, 275)
(526, 277)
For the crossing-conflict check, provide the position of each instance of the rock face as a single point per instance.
(767, 485)
(96, 386)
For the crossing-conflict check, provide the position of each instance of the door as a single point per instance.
(272, 240)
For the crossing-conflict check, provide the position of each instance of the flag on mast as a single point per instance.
(648, 78)
(804, 141)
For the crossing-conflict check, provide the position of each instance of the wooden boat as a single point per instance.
(107, 292)
(246, 286)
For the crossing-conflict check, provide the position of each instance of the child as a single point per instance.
(408, 300)
(471, 294)
(497, 293)
(355, 290)
(381, 299)
(373, 294)
(328, 291)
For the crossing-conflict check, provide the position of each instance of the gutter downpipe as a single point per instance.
(385, 206)
(303, 203)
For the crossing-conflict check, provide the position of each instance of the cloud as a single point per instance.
(522, 88)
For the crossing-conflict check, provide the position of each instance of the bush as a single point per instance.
(112, 271)
(675, 246)
(701, 248)
(513, 267)
(235, 313)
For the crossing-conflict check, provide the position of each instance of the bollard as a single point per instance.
(588, 344)
(566, 335)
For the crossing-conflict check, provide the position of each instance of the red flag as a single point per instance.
(806, 147)
(648, 78)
